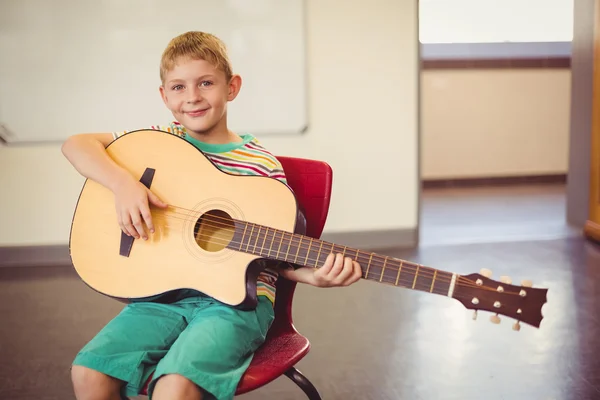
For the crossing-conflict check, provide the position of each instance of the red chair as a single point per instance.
(284, 347)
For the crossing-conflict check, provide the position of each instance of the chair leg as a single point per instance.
(303, 382)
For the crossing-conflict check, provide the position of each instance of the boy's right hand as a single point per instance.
(132, 201)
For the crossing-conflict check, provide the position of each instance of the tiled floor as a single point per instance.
(371, 341)
(494, 214)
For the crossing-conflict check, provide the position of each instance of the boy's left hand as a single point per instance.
(336, 271)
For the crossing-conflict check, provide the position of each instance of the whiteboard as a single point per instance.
(74, 66)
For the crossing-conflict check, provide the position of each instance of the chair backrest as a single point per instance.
(311, 181)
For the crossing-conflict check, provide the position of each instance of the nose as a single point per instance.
(194, 95)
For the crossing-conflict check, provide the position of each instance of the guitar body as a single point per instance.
(188, 249)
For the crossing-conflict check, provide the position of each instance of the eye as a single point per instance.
(177, 87)
(206, 83)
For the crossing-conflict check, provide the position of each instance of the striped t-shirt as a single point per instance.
(247, 157)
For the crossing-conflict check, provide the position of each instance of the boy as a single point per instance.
(195, 348)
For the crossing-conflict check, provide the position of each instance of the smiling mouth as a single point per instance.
(197, 113)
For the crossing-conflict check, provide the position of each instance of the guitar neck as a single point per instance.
(306, 251)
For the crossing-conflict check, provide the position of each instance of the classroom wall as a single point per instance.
(487, 123)
(363, 92)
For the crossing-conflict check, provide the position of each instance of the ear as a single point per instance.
(163, 94)
(235, 84)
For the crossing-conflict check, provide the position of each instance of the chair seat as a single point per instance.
(282, 349)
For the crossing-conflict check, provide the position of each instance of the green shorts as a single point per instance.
(203, 340)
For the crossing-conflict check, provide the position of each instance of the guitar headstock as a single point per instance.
(523, 303)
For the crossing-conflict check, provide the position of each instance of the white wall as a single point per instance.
(363, 74)
(504, 122)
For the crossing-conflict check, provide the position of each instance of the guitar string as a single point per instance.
(297, 239)
(458, 296)
(424, 273)
(361, 258)
(405, 282)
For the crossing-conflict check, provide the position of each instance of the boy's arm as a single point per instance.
(87, 153)
(336, 271)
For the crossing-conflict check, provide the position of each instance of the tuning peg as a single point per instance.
(505, 279)
(474, 315)
(516, 326)
(486, 272)
(526, 283)
(495, 319)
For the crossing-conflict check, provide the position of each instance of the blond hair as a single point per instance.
(197, 46)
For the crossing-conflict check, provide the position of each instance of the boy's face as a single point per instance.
(197, 94)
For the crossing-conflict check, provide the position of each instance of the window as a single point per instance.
(495, 21)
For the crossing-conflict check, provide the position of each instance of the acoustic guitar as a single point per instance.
(219, 228)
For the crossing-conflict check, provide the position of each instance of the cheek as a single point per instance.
(173, 102)
(218, 100)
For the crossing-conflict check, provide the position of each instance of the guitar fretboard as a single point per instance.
(305, 251)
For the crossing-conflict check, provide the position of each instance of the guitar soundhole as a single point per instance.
(214, 230)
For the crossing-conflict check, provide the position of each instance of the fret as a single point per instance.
(398, 276)
(279, 247)
(249, 239)
(382, 269)
(287, 250)
(333, 249)
(433, 281)
(264, 240)
(272, 240)
(257, 237)
(243, 235)
(308, 251)
(368, 267)
(298, 250)
(416, 275)
(284, 246)
(318, 260)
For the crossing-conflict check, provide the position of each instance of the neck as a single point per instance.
(305, 251)
(219, 134)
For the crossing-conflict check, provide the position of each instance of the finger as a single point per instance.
(338, 264)
(127, 221)
(136, 220)
(326, 268)
(126, 225)
(356, 273)
(346, 272)
(122, 226)
(120, 222)
(147, 217)
(154, 199)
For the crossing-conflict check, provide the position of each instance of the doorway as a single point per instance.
(495, 104)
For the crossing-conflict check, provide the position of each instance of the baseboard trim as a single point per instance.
(375, 240)
(495, 181)
(56, 255)
(34, 256)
